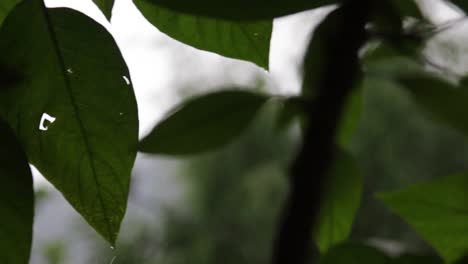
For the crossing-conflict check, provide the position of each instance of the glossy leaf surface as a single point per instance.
(248, 41)
(75, 111)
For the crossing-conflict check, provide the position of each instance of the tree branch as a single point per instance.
(293, 243)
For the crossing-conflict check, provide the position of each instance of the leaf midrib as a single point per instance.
(63, 68)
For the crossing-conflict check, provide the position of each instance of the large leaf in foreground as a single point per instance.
(341, 200)
(75, 112)
(248, 41)
(241, 9)
(438, 211)
(16, 200)
(105, 6)
(5, 7)
(204, 123)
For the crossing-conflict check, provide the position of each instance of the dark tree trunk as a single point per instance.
(293, 244)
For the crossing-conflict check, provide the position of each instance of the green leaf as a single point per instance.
(248, 41)
(16, 200)
(241, 9)
(290, 109)
(5, 7)
(438, 211)
(415, 259)
(351, 117)
(341, 200)
(315, 59)
(462, 4)
(105, 6)
(408, 8)
(443, 100)
(204, 123)
(353, 253)
(75, 112)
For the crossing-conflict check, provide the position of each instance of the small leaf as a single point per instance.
(241, 9)
(5, 7)
(342, 197)
(438, 211)
(74, 112)
(16, 200)
(248, 41)
(443, 100)
(204, 123)
(105, 6)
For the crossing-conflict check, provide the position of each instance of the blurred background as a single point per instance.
(223, 207)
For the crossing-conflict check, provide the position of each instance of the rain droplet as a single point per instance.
(121, 113)
(70, 71)
(256, 34)
(127, 81)
(112, 248)
(46, 117)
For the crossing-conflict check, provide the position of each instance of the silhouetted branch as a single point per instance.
(309, 170)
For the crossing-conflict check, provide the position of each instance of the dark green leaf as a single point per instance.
(438, 211)
(241, 9)
(315, 59)
(296, 107)
(352, 253)
(351, 118)
(415, 259)
(408, 8)
(16, 200)
(462, 260)
(204, 123)
(386, 19)
(5, 7)
(290, 109)
(355, 253)
(105, 6)
(342, 197)
(440, 98)
(248, 41)
(75, 112)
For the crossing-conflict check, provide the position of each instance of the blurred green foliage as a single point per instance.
(234, 195)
